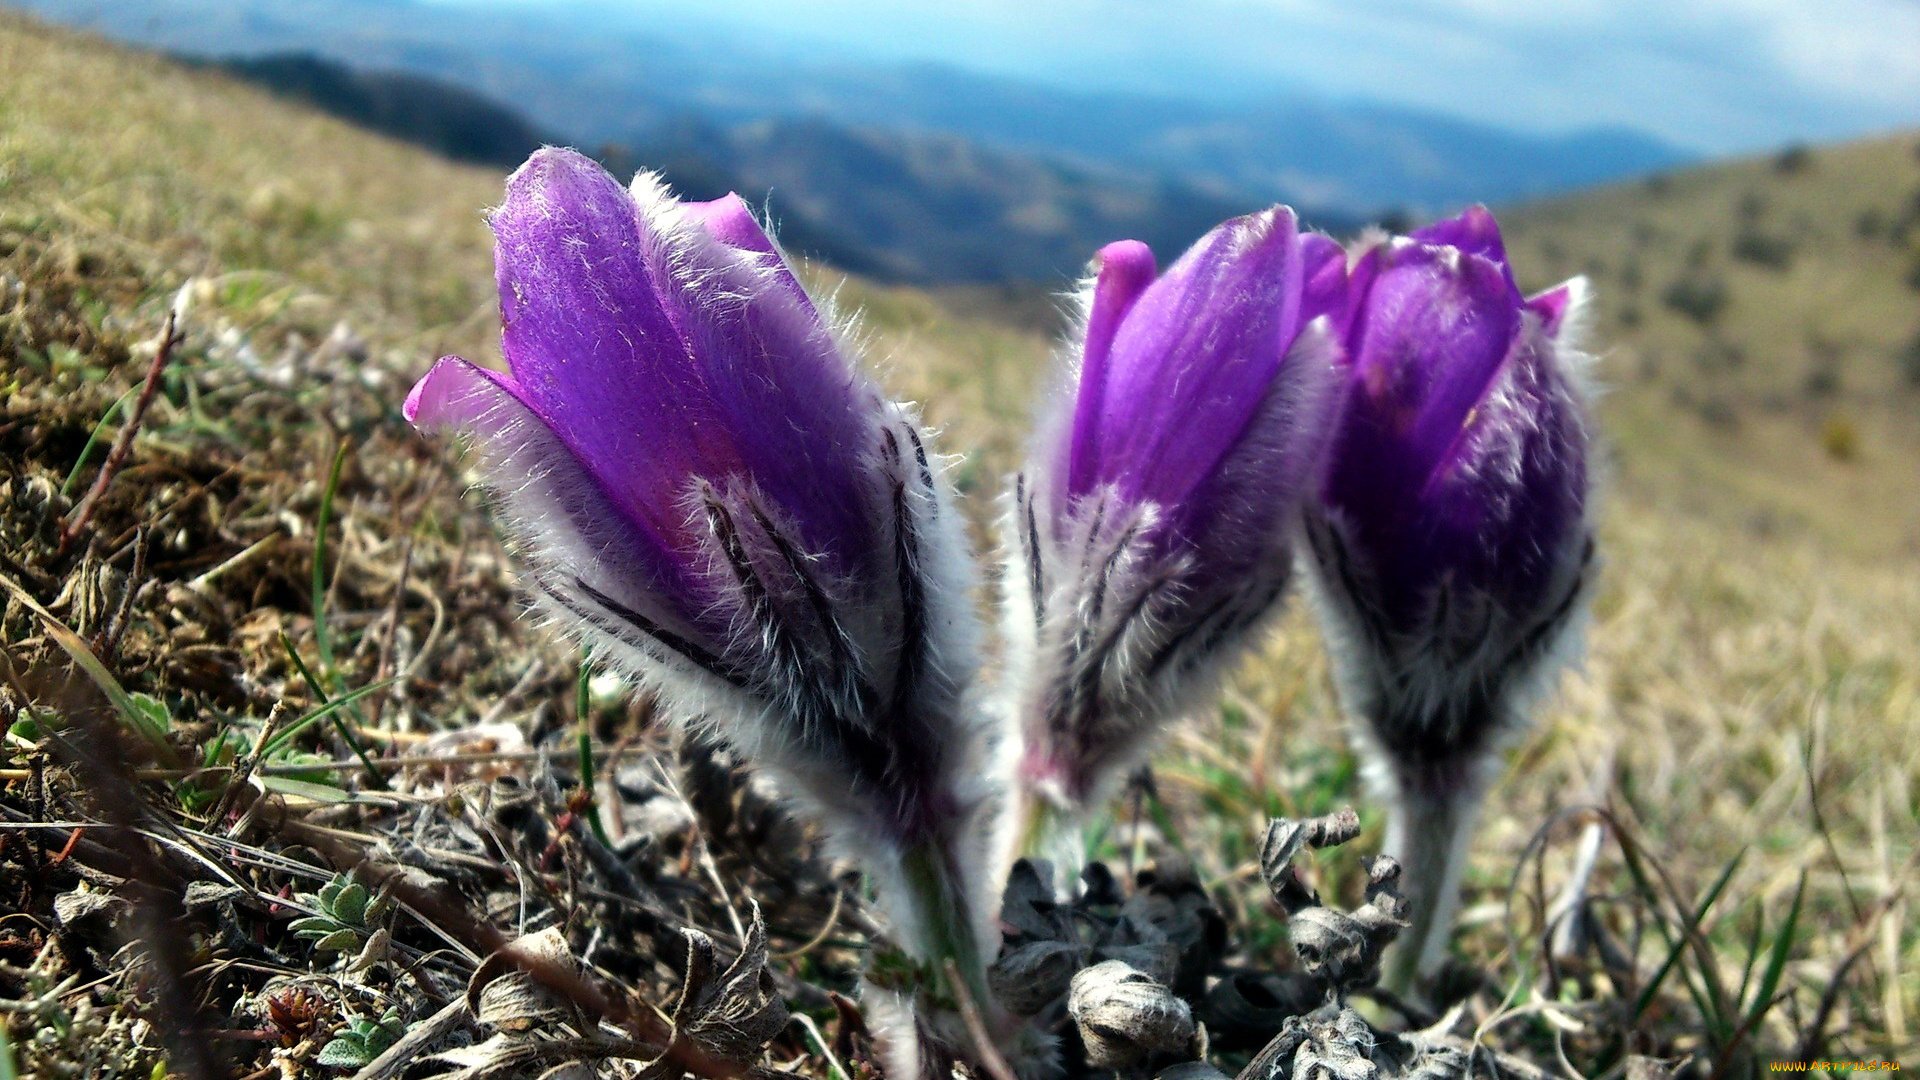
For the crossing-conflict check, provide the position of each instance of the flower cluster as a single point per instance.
(702, 485)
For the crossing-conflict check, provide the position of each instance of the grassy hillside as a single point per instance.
(165, 167)
(1745, 714)
(1761, 328)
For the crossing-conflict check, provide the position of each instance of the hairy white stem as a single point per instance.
(1568, 913)
(1429, 830)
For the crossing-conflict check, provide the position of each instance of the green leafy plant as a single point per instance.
(32, 725)
(230, 744)
(350, 913)
(362, 1041)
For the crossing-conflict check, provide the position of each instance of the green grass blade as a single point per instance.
(1630, 855)
(1753, 952)
(319, 691)
(93, 439)
(1725, 1015)
(1777, 958)
(306, 789)
(323, 638)
(286, 734)
(583, 692)
(583, 715)
(1677, 947)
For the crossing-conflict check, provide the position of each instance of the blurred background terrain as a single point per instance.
(1753, 684)
(910, 170)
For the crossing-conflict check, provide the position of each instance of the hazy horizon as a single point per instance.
(1718, 77)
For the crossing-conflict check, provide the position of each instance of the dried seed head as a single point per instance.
(1126, 1017)
(734, 1014)
(1028, 978)
(504, 996)
(1341, 950)
(1339, 1049)
(1286, 838)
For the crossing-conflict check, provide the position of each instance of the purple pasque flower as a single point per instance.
(699, 484)
(1152, 530)
(1451, 546)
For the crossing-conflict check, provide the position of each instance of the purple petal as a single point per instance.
(1554, 305)
(729, 220)
(1324, 269)
(1126, 269)
(661, 355)
(1474, 232)
(549, 498)
(1430, 335)
(1191, 362)
(444, 398)
(1455, 409)
(1500, 512)
(1360, 278)
(803, 424)
(1236, 519)
(592, 350)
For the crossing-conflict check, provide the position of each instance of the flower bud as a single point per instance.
(1451, 546)
(1151, 534)
(700, 485)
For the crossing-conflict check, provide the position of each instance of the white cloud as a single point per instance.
(1867, 49)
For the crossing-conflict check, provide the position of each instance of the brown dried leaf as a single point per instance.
(737, 1013)
(503, 996)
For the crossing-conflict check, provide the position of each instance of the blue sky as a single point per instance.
(1710, 75)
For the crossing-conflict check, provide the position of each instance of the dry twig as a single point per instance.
(82, 514)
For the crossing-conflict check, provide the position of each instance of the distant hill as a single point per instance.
(921, 208)
(592, 74)
(1357, 157)
(926, 208)
(1759, 322)
(444, 117)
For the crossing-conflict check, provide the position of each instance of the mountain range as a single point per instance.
(593, 74)
(925, 208)
(910, 172)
